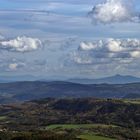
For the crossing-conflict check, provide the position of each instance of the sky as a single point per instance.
(69, 38)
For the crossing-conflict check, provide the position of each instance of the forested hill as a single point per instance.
(114, 118)
(22, 91)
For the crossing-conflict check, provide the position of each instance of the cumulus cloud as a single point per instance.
(105, 56)
(13, 66)
(16, 64)
(21, 44)
(106, 51)
(114, 11)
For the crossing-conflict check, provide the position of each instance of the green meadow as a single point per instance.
(77, 126)
(86, 133)
(93, 137)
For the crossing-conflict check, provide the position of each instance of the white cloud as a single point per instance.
(13, 66)
(81, 59)
(87, 46)
(114, 11)
(112, 45)
(135, 54)
(107, 51)
(21, 44)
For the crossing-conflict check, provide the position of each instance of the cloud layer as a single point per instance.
(21, 44)
(114, 11)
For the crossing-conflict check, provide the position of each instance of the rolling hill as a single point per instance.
(23, 91)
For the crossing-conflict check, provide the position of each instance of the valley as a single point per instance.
(82, 118)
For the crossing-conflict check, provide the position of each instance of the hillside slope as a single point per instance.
(22, 91)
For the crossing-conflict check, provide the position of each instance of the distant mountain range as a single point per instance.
(24, 88)
(25, 91)
(117, 79)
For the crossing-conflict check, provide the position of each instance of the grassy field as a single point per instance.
(77, 126)
(93, 137)
(84, 135)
